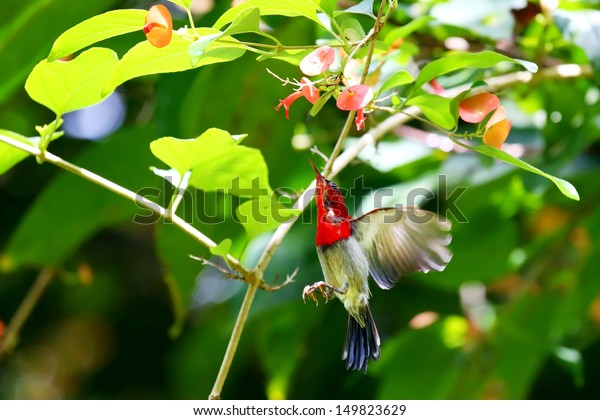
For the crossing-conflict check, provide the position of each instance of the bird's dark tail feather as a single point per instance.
(361, 343)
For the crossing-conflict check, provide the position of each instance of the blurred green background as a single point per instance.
(515, 315)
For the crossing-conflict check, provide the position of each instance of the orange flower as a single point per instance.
(497, 128)
(477, 107)
(159, 26)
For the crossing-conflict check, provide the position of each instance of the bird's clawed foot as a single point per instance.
(325, 289)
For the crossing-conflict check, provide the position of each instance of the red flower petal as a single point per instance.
(437, 88)
(496, 134)
(317, 61)
(360, 119)
(354, 97)
(309, 90)
(476, 108)
(287, 102)
(498, 115)
(159, 26)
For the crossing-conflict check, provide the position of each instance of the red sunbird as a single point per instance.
(386, 244)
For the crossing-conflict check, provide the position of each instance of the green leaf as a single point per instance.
(222, 249)
(404, 31)
(401, 77)
(438, 109)
(26, 34)
(263, 215)
(459, 61)
(144, 59)
(199, 46)
(218, 163)
(97, 28)
(565, 187)
(65, 86)
(247, 21)
(9, 155)
(183, 3)
(293, 57)
(308, 9)
(320, 103)
(328, 6)
(352, 30)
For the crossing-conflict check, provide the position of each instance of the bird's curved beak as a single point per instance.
(320, 178)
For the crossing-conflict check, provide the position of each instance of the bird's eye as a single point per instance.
(332, 185)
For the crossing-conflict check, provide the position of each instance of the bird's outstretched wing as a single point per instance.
(402, 240)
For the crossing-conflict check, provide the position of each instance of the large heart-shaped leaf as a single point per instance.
(218, 163)
(97, 28)
(65, 86)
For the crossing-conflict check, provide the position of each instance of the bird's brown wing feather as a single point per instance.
(402, 240)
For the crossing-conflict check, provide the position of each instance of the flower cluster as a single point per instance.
(159, 26)
(476, 108)
(350, 97)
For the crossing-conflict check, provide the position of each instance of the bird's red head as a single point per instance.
(333, 221)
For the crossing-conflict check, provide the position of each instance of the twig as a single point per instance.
(315, 150)
(237, 276)
(11, 336)
(124, 192)
(233, 342)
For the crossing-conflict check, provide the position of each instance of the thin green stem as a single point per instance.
(234, 340)
(191, 19)
(11, 336)
(125, 193)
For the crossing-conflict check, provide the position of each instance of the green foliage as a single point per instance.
(40, 24)
(95, 29)
(70, 85)
(565, 187)
(400, 78)
(183, 3)
(437, 108)
(217, 161)
(66, 219)
(10, 156)
(125, 277)
(307, 9)
(459, 61)
(144, 59)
